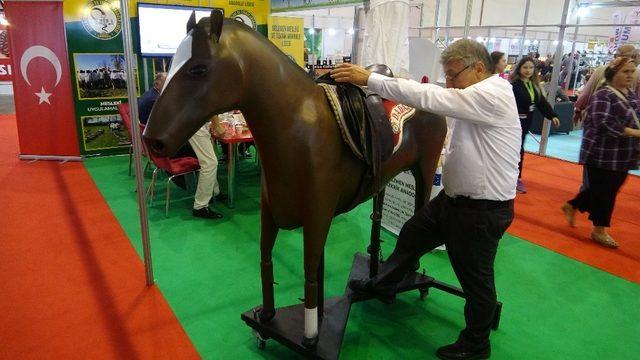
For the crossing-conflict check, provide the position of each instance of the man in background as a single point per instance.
(201, 144)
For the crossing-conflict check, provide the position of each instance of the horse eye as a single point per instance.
(198, 70)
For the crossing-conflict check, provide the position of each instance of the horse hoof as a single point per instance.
(265, 316)
(309, 343)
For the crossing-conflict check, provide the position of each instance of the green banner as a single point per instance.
(98, 73)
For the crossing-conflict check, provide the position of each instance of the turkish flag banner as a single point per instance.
(41, 79)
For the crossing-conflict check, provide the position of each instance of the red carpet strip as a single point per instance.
(538, 219)
(73, 287)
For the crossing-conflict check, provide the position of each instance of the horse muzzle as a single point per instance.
(157, 146)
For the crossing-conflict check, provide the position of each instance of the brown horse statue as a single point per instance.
(309, 174)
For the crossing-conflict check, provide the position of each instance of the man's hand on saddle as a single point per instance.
(350, 73)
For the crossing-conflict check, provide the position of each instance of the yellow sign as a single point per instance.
(75, 9)
(253, 13)
(288, 35)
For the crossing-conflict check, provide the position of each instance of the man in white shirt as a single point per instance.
(479, 176)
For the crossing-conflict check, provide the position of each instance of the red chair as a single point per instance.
(173, 167)
(123, 109)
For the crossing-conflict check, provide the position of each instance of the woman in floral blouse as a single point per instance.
(609, 148)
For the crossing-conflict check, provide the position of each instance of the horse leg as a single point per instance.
(420, 196)
(428, 153)
(315, 236)
(268, 234)
(424, 173)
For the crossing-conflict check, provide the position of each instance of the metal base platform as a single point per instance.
(287, 325)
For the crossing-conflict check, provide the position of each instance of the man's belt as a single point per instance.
(478, 204)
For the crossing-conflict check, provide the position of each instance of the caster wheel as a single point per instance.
(423, 293)
(261, 342)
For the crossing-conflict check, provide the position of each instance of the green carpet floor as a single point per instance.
(554, 307)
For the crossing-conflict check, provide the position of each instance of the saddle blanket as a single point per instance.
(397, 114)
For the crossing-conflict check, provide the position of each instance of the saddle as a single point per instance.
(364, 124)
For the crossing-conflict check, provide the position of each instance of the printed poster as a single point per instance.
(98, 73)
(288, 35)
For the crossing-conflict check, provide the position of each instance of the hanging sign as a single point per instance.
(621, 33)
(288, 35)
(634, 18)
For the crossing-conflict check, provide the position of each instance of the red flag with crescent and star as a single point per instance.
(41, 79)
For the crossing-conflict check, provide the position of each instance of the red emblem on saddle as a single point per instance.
(397, 114)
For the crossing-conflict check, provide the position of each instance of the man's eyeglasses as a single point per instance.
(453, 77)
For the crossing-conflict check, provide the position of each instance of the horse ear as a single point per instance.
(192, 21)
(216, 24)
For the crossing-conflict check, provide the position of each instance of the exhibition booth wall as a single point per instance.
(96, 55)
(92, 62)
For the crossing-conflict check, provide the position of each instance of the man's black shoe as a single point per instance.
(206, 213)
(365, 287)
(461, 351)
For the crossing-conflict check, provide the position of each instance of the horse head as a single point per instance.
(204, 79)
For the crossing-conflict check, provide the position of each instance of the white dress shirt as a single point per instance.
(484, 150)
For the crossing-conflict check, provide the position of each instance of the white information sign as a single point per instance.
(399, 199)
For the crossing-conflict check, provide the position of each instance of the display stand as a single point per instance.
(287, 325)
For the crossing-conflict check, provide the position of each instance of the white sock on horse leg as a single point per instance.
(310, 323)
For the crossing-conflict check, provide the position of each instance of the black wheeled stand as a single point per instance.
(288, 324)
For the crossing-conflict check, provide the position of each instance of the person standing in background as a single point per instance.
(596, 80)
(499, 62)
(610, 147)
(202, 146)
(529, 97)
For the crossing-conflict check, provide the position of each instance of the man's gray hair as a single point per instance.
(467, 51)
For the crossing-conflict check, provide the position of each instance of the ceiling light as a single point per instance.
(583, 11)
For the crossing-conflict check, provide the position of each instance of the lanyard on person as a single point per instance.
(529, 85)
